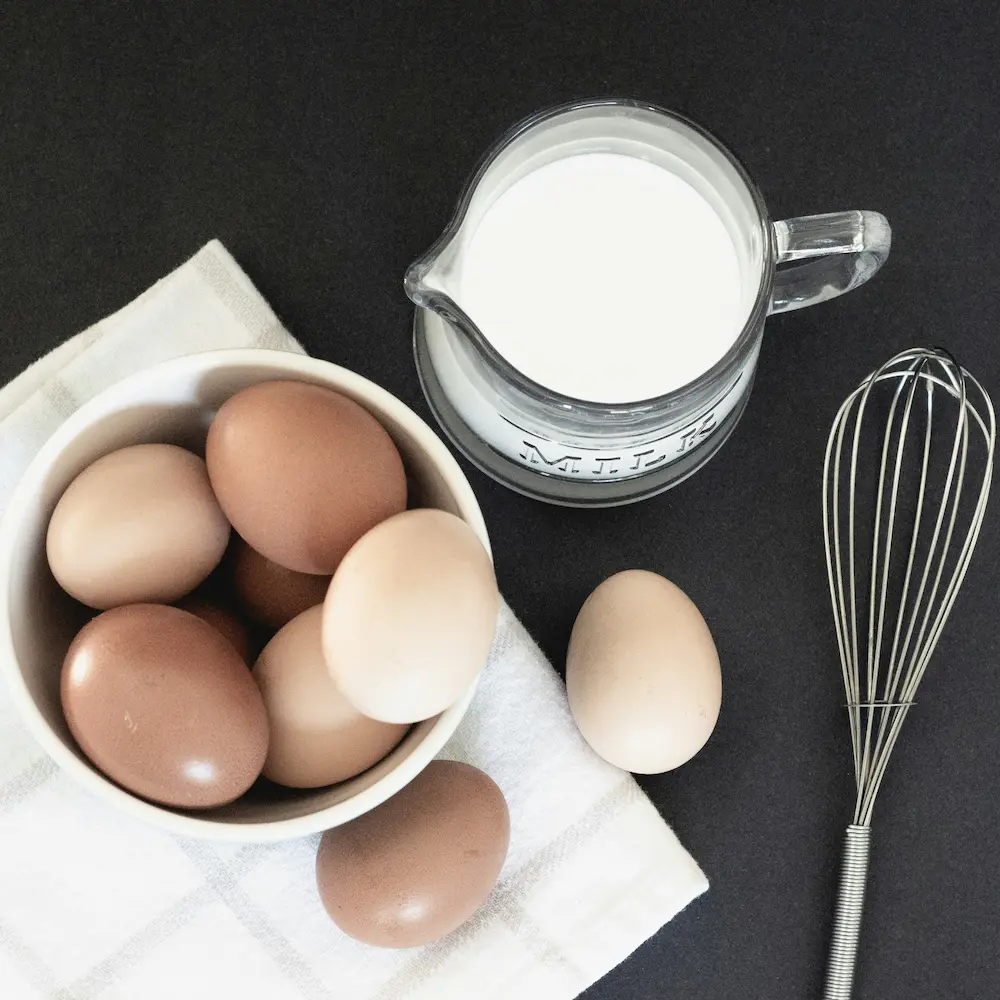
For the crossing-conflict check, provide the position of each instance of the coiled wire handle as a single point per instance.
(847, 923)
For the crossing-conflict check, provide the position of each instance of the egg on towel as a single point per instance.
(642, 673)
(420, 864)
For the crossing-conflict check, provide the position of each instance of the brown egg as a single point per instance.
(420, 864)
(302, 472)
(140, 524)
(163, 705)
(642, 673)
(272, 594)
(409, 618)
(317, 736)
(220, 618)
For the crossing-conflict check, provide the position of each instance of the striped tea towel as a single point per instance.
(96, 906)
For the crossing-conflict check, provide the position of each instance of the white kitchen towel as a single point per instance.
(96, 906)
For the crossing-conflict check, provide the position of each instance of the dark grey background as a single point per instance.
(325, 145)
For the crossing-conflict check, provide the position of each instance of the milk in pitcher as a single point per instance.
(604, 277)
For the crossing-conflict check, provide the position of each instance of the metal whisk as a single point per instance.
(906, 480)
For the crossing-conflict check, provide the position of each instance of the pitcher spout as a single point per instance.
(430, 283)
(419, 279)
(427, 278)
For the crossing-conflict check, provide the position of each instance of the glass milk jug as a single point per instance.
(554, 446)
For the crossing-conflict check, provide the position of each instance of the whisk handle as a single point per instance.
(847, 923)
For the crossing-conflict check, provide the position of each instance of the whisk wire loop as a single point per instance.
(885, 648)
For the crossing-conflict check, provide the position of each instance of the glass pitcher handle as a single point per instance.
(839, 251)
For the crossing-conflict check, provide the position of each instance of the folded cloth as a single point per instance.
(97, 906)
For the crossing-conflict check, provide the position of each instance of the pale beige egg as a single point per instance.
(642, 673)
(140, 524)
(316, 736)
(409, 619)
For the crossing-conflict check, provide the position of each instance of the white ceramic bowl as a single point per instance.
(174, 402)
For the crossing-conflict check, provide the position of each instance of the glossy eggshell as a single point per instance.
(139, 524)
(273, 595)
(224, 619)
(317, 736)
(642, 673)
(162, 704)
(420, 864)
(302, 472)
(409, 619)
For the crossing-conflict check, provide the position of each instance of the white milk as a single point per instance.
(604, 277)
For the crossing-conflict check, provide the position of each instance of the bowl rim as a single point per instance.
(285, 364)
